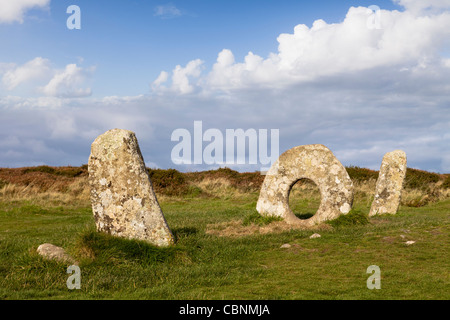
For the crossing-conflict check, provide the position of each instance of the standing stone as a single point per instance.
(389, 184)
(317, 163)
(122, 196)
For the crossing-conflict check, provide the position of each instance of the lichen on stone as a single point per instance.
(389, 184)
(122, 196)
(314, 162)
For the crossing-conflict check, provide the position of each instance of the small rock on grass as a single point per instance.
(52, 252)
(315, 235)
(285, 246)
(408, 243)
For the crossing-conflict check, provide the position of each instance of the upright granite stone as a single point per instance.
(123, 201)
(317, 163)
(389, 184)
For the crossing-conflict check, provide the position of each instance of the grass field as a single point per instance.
(224, 249)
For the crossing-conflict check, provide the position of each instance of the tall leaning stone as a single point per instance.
(123, 201)
(389, 184)
(317, 163)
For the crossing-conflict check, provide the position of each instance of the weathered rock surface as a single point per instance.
(123, 200)
(389, 184)
(317, 163)
(52, 252)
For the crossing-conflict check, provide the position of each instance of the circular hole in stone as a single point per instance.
(304, 198)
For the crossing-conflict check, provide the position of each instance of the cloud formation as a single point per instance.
(67, 82)
(404, 41)
(41, 76)
(181, 78)
(360, 91)
(417, 6)
(37, 68)
(14, 10)
(167, 11)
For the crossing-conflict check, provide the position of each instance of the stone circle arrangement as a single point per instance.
(124, 203)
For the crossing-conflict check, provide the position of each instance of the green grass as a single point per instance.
(203, 266)
(257, 219)
(354, 217)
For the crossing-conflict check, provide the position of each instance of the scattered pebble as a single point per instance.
(315, 235)
(408, 243)
(50, 251)
(285, 246)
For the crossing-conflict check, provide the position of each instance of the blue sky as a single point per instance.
(315, 70)
(127, 38)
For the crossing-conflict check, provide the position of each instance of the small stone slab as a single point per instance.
(52, 252)
(389, 184)
(317, 163)
(122, 196)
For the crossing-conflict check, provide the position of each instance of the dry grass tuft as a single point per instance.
(237, 228)
(69, 185)
(44, 188)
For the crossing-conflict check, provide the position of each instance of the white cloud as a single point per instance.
(162, 78)
(181, 78)
(167, 11)
(405, 40)
(25, 103)
(66, 83)
(120, 100)
(361, 92)
(57, 83)
(14, 10)
(38, 68)
(5, 67)
(446, 63)
(359, 119)
(418, 6)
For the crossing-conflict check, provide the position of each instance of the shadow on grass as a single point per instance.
(98, 247)
(354, 217)
(304, 216)
(184, 232)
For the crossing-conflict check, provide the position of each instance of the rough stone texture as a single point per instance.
(50, 251)
(317, 163)
(123, 200)
(389, 184)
